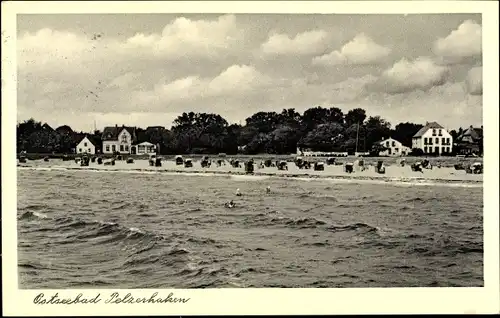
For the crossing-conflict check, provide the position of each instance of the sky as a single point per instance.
(146, 69)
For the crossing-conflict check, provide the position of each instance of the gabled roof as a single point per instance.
(423, 130)
(474, 133)
(111, 133)
(90, 138)
(388, 139)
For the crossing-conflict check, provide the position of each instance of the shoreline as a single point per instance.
(443, 161)
(305, 174)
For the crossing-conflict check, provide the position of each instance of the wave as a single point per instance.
(32, 215)
(396, 181)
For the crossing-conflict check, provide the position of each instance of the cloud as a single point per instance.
(447, 104)
(464, 42)
(405, 76)
(309, 42)
(234, 66)
(474, 81)
(184, 37)
(360, 50)
(47, 50)
(233, 81)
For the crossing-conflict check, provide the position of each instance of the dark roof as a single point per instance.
(423, 130)
(474, 133)
(111, 133)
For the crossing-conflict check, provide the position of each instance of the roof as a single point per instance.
(145, 143)
(90, 138)
(111, 133)
(474, 133)
(423, 130)
(387, 139)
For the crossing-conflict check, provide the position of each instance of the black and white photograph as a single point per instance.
(250, 150)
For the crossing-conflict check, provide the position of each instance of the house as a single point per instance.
(143, 148)
(118, 139)
(433, 139)
(394, 148)
(470, 141)
(86, 145)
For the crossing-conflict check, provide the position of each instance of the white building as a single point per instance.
(117, 140)
(86, 146)
(144, 148)
(433, 139)
(394, 148)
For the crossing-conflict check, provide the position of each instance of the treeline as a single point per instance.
(318, 129)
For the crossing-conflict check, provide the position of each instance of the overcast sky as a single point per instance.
(147, 69)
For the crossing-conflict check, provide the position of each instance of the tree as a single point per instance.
(404, 132)
(376, 129)
(325, 137)
(357, 115)
(265, 122)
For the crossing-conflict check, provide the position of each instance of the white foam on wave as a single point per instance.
(40, 215)
(136, 230)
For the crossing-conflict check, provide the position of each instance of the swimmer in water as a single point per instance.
(230, 204)
(268, 189)
(238, 193)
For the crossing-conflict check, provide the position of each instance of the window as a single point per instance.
(425, 149)
(430, 141)
(90, 150)
(425, 141)
(387, 144)
(443, 141)
(124, 138)
(440, 132)
(85, 144)
(393, 143)
(396, 149)
(447, 141)
(121, 147)
(113, 148)
(107, 148)
(126, 147)
(448, 149)
(80, 150)
(434, 132)
(437, 140)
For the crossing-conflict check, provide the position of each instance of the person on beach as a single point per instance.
(238, 193)
(268, 189)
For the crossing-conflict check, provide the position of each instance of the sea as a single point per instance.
(120, 228)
